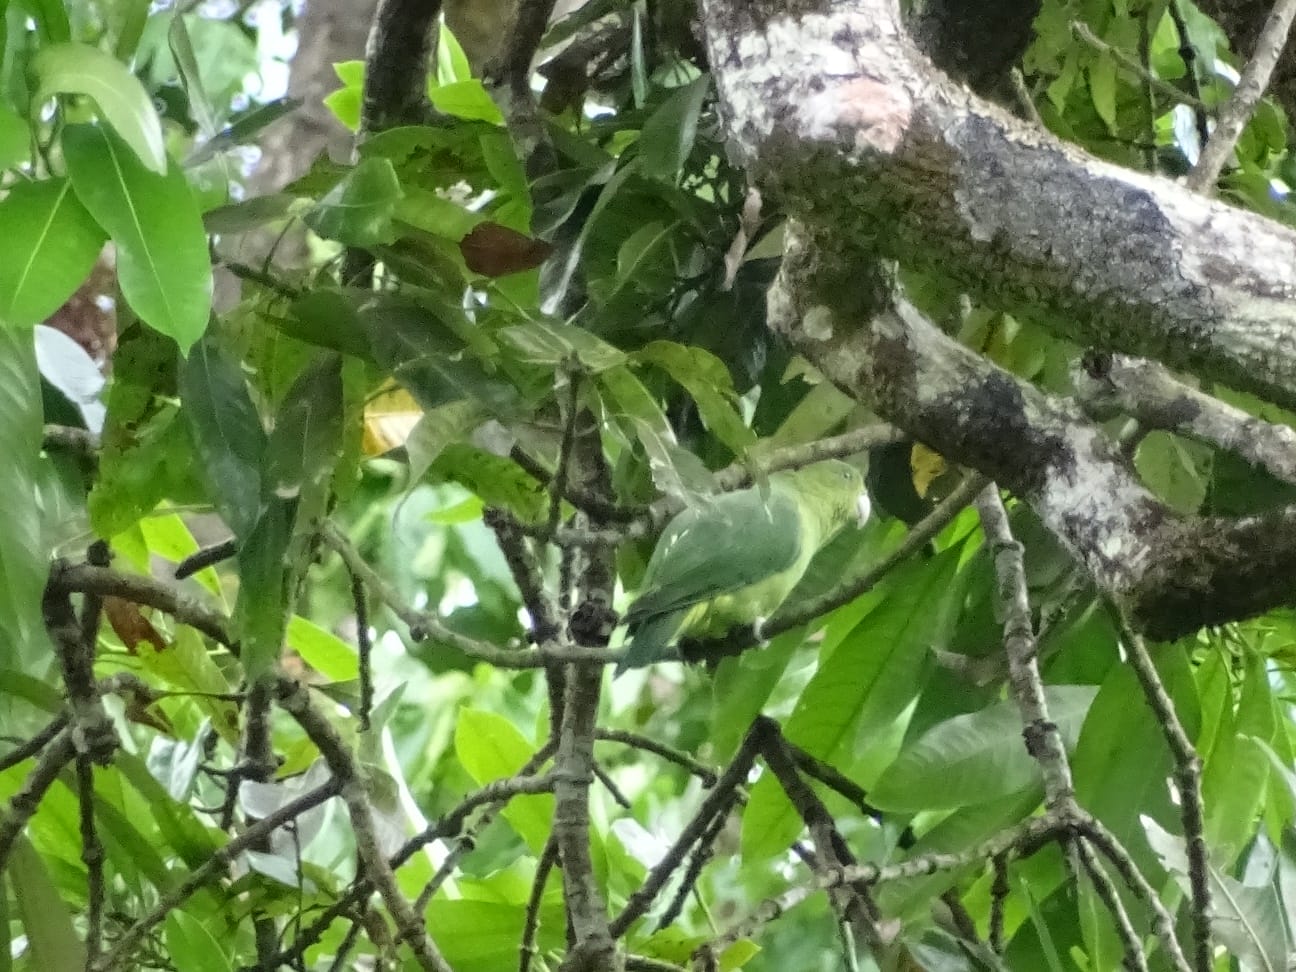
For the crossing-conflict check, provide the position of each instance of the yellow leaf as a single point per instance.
(389, 418)
(927, 466)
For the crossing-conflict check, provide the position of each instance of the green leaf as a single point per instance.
(186, 666)
(358, 210)
(668, 135)
(15, 139)
(191, 946)
(911, 898)
(451, 61)
(200, 106)
(432, 213)
(742, 685)
(176, 821)
(327, 318)
(1248, 920)
(1173, 469)
(483, 936)
(52, 940)
(52, 19)
(977, 757)
(307, 438)
(73, 68)
(1236, 770)
(227, 431)
(467, 100)
(162, 260)
(322, 650)
(133, 16)
(141, 463)
(243, 130)
(24, 644)
(427, 356)
(1121, 763)
(861, 687)
(707, 380)
(436, 430)
(675, 471)
(1102, 88)
(491, 748)
(497, 480)
(48, 247)
(261, 613)
(550, 343)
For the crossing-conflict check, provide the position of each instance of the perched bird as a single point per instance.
(732, 560)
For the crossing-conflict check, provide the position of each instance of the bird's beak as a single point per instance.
(862, 508)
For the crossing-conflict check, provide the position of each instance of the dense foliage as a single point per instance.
(346, 551)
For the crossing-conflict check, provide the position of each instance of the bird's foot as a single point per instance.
(758, 629)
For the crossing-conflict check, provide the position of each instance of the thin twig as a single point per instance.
(35, 744)
(853, 899)
(206, 557)
(1135, 957)
(494, 794)
(1081, 31)
(593, 945)
(705, 773)
(829, 776)
(60, 752)
(716, 802)
(525, 569)
(559, 483)
(425, 624)
(1163, 923)
(1236, 112)
(92, 855)
(1188, 778)
(86, 578)
(701, 854)
(206, 872)
(1110, 384)
(998, 899)
(527, 950)
(364, 648)
(1012, 608)
(293, 698)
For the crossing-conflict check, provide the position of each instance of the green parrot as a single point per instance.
(732, 560)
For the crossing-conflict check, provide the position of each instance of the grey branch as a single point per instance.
(839, 116)
(1158, 400)
(1237, 111)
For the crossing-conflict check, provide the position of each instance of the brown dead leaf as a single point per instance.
(130, 625)
(496, 251)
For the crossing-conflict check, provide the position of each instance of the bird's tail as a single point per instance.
(650, 638)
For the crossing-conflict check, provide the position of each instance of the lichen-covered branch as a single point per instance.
(852, 130)
(1148, 392)
(1171, 574)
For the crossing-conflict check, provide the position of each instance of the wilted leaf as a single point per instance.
(496, 251)
(130, 625)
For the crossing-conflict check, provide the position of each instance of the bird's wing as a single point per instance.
(731, 543)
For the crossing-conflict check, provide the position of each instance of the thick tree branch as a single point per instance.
(1148, 392)
(834, 104)
(1171, 574)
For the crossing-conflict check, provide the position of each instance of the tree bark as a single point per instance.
(878, 156)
